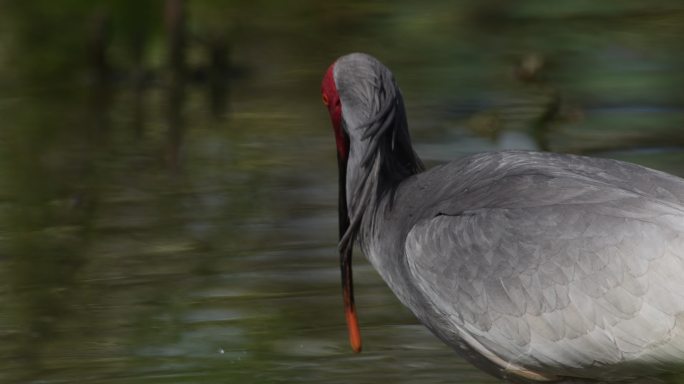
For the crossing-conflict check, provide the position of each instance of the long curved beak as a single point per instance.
(346, 260)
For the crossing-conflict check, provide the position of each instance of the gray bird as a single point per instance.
(534, 266)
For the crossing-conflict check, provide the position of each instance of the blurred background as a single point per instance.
(168, 179)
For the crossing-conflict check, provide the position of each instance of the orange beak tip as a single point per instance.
(354, 330)
(355, 340)
(356, 347)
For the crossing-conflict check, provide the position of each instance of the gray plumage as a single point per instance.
(535, 266)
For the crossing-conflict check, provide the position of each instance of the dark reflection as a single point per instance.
(175, 19)
(100, 35)
(218, 77)
(175, 102)
(530, 71)
(140, 107)
(534, 106)
(50, 219)
(176, 41)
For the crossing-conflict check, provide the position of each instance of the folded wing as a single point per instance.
(593, 277)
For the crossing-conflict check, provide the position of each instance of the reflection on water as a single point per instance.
(181, 229)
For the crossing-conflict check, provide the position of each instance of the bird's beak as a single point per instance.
(346, 259)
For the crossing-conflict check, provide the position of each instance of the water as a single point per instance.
(187, 234)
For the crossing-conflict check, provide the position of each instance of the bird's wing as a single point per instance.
(559, 286)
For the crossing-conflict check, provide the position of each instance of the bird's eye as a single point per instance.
(325, 99)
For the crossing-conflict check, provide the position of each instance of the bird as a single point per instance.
(533, 266)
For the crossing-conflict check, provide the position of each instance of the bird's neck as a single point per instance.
(369, 178)
(376, 166)
(377, 234)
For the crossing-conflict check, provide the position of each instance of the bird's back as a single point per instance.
(542, 263)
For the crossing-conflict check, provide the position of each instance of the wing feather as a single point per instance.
(559, 286)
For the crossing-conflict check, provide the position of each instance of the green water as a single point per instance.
(161, 232)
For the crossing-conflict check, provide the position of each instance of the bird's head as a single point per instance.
(362, 97)
(373, 150)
